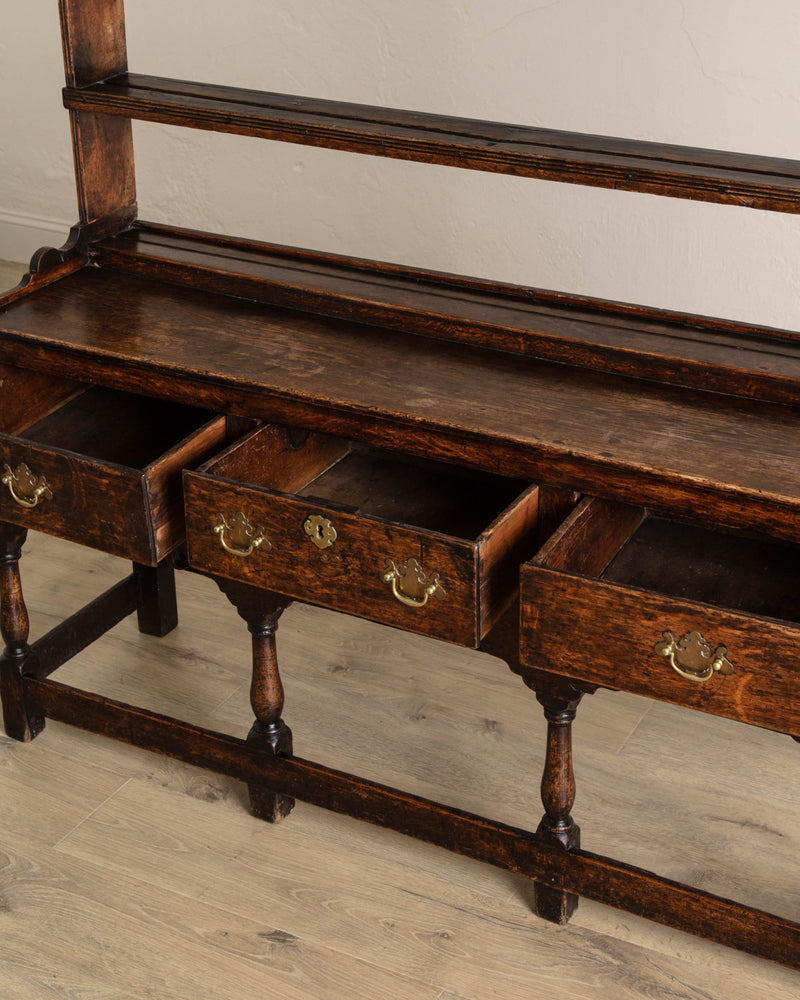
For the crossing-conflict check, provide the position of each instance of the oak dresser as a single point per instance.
(486, 464)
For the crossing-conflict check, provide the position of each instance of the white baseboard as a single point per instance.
(22, 235)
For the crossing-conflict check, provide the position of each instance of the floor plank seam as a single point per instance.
(213, 712)
(634, 731)
(86, 818)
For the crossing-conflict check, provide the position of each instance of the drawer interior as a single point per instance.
(426, 494)
(730, 570)
(361, 480)
(26, 396)
(117, 427)
(632, 547)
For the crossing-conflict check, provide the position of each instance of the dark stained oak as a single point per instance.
(112, 463)
(93, 40)
(696, 351)
(455, 382)
(261, 609)
(25, 395)
(600, 621)
(384, 510)
(156, 605)
(601, 161)
(692, 453)
(560, 701)
(21, 721)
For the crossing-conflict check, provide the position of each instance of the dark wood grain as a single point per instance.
(93, 503)
(510, 540)
(590, 537)
(606, 634)
(145, 429)
(383, 508)
(93, 38)
(555, 506)
(288, 457)
(697, 454)
(28, 396)
(156, 600)
(261, 610)
(692, 416)
(22, 722)
(48, 265)
(702, 352)
(203, 435)
(560, 701)
(121, 491)
(429, 495)
(348, 575)
(623, 164)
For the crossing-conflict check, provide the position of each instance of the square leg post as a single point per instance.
(157, 608)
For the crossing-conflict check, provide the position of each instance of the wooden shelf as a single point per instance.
(697, 352)
(697, 454)
(625, 164)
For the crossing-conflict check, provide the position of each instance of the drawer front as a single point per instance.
(80, 500)
(638, 641)
(349, 574)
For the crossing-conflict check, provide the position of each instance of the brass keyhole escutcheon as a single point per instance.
(320, 531)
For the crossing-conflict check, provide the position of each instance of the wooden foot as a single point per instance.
(22, 721)
(261, 610)
(157, 608)
(560, 702)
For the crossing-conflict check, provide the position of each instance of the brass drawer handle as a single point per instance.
(239, 537)
(33, 488)
(411, 585)
(692, 657)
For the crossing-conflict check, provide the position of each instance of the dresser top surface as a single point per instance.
(684, 451)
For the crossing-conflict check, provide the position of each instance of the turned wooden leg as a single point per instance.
(261, 610)
(560, 698)
(157, 608)
(560, 702)
(22, 722)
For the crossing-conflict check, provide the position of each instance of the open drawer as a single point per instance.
(98, 466)
(699, 617)
(419, 545)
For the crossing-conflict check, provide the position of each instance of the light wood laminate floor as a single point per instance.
(126, 875)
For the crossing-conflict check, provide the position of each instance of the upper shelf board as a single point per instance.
(769, 183)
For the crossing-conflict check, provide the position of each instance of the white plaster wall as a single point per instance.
(719, 73)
